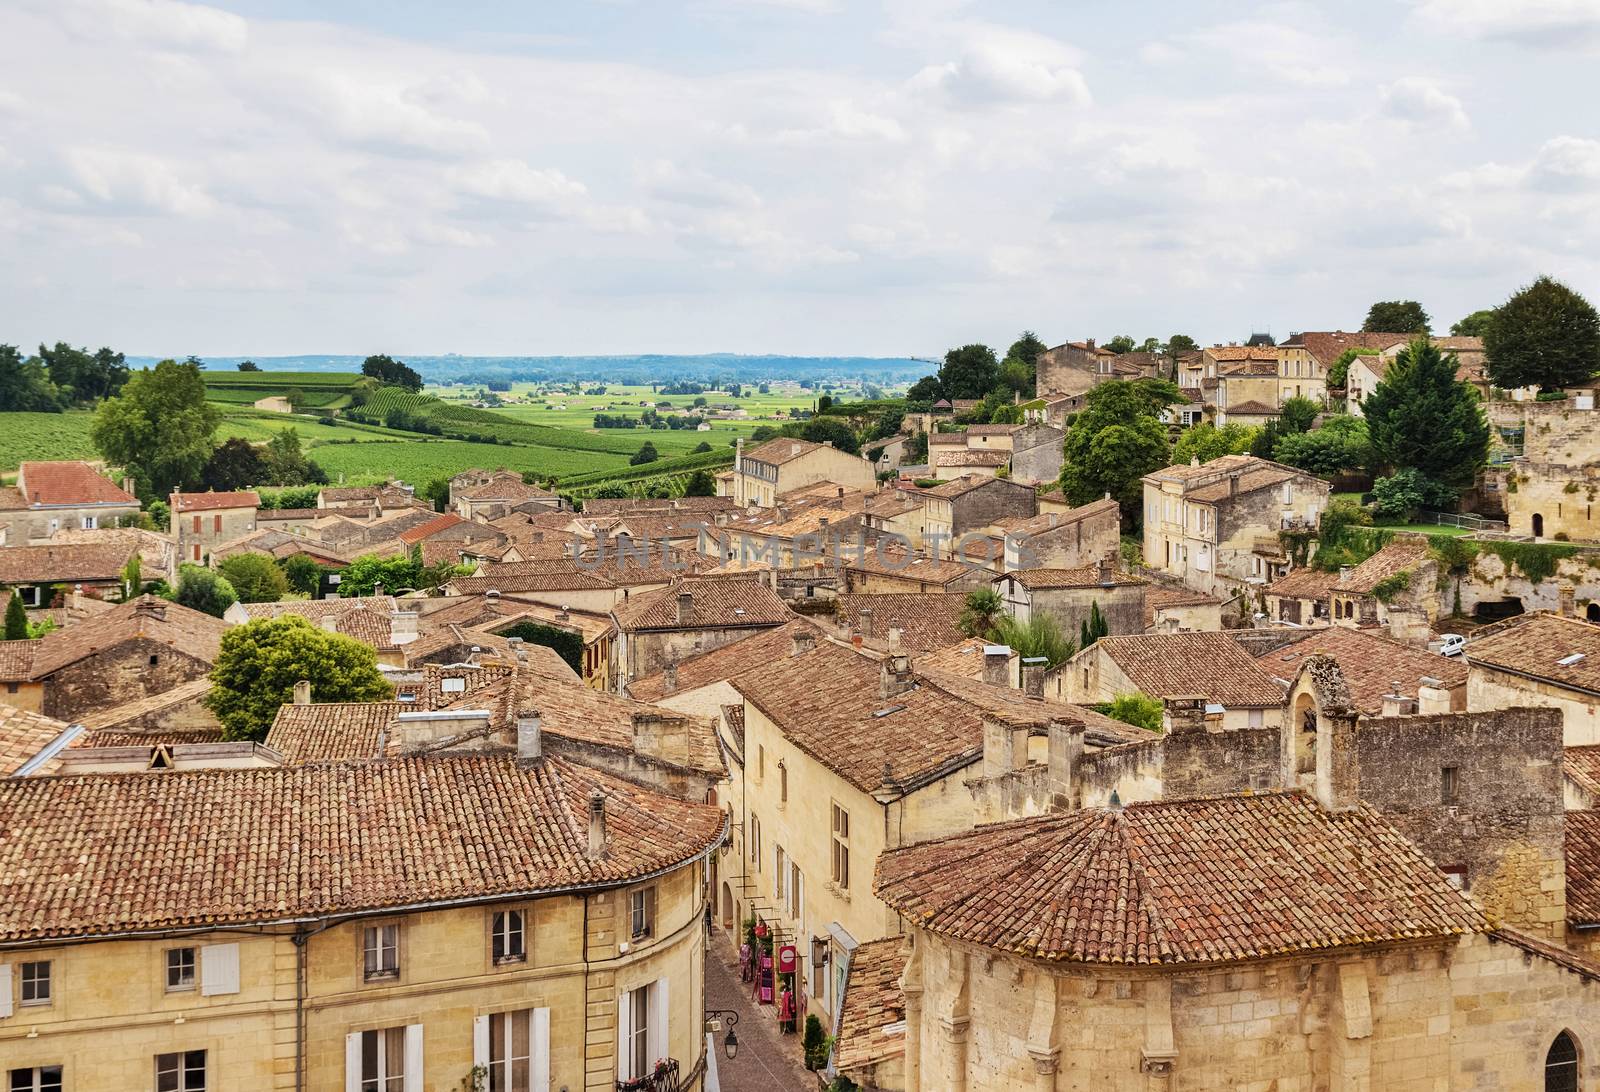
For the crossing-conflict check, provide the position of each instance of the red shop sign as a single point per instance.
(786, 959)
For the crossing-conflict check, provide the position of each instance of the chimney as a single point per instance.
(597, 823)
(1338, 765)
(377, 589)
(493, 594)
(663, 737)
(1396, 704)
(685, 607)
(302, 692)
(1005, 748)
(1568, 602)
(1194, 460)
(330, 623)
(1090, 343)
(1344, 574)
(530, 737)
(738, 455)
(1033, 676)
(1064, 750)
(895, 677)
(801, 641)
(866, 622)
(841, 491)
(1432, 697)
(669, 676)
(1233, 485)
(130, 485)
(996, 661)
(895, 636)
(1184, 713)
(1107, 572)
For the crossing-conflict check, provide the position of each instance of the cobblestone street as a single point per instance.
(767, 1061)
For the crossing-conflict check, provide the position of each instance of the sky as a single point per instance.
(271, 177)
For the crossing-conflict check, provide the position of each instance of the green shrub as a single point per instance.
(1139, 710)
(817, 1044)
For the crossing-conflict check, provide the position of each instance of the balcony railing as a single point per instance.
(664, 1078)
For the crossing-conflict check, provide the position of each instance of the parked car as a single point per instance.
(1451, 644)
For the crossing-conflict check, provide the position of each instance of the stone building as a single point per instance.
(781, 465)
(1541, 660)
(1036, 453)
(35, 573)
(201, 521)
(1305, 358)
(1395, 587)
(690, 617)
(1075, 367)
(1167, 665)
(1062, 536)
(502, 494)
(970, 503)
(62, 496)
(957, 462)
(1068, 596)
(1380, 671)
(1302, 597)
(1202, 523)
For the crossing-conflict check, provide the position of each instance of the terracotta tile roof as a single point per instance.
(571, 580)
(890, 503)
(713, 604)
(607, 506)
(1582, 767)
(947, 439)
(281, 544)
(344, 495)
(63, 564)
(1583, 867)
(506, 489)
(963, 457)
(1159, 597)
(205, 502)
(1304, 583)
(1086, 577)
(16, 660)
(1400, 555)
(873, 1004)
(909, 567)
(472, 678)
(442, 522)
(22, 736)
(1535, 645)
(315, 610)
(1252, 408)
(613, 571)
(1221, 879)
(991, 430)
(1016, 708)
(735, 658)
(332, 731)
(107, 854)
(1567, 960)
(369, 626)
(270, 515)
(1372, 663)
(1326, 347)
(926, 622)
(1230, 353)
(126, 716)
(957, 487)
(964, 657)
(148, 618)
(68, 483)
(1165, 665)
(781, 450)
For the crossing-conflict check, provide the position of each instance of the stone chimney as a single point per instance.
(1005, 748)
(1344, 574)
(1338, 764)
(1568, 601)
(1233, 485)
(130, 485)
(377, 589)
(738, 455)
(403, 626)
(895, 638)
(597, 824)
(1090, 344)
(1184, 713)
(802, 641)
(996, 662)
(1396, 704)
(1033, 669)
(302, 692)
(148, 606)
(669, 676)
(866, 621)
(330, 623)
(1107, 570)
(530, 735)
(1432, 697)
(895, 677)
(664, 738)
(685, 607)
(1063, 752)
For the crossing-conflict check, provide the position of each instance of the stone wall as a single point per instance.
(1122, 606)
(1064, 370)
(990, 501)
(126, 672)
(1036, 453)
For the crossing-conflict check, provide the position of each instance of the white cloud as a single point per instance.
(1567, 164)
(1555, 24)
(167, 24)
(112, 180)
(365, 108)
(515, 182)
(1000, 65)
(1420, 101)
(664, 180)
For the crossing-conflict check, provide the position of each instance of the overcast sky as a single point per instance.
(800, 176)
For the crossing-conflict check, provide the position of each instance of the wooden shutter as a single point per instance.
(5, 990)
(352, 1062)
(480, 1040)
(413, 1078)
(539, 1050)
(219, 969)
(660, 1042)
(624, 1033)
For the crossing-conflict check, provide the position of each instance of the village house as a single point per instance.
(899, 512)
(1302, 597)
(585, 639)
(1541, 660)
(883, 569)
(502, 494)
(158, 553)
(1075, 367)
(967, 504)
(62, 496)
(1170, 665)
(1202, 522)
(202, 521)
(1397, 587)
(1068, 596)
(1061, 536)
(1036, 453)
(690, 617)
(36, 573)
(18, 688)
(764, 472)
(955, 462)
(1384, 676)
(451, 528)
(1306, 358)
(1173, 608)
(919, 623)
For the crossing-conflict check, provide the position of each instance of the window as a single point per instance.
(642, 912)
(155, 659)
(43, 1078)
(797, 890)
(1561, 1065)
(383, 1060)
(180, 969)
(755, 842)
(1455, 876)
(36, 983)
(636, 1043)
(90, 523)
(841, 847)
(380, 949)
(181, 1072)
(1449, 784)
(510, 1051)
(507, 937)
(780, 872)
(761, 762)
(197, 525)
(783, 782)
(1256, 718)
(216, 523)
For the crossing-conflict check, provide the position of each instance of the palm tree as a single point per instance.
(980, 611)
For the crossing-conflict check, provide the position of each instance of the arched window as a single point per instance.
(1561, 1065)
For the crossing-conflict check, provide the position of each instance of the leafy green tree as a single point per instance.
(1340, 445)
(287, 463)
(1039, 636)
(1115, 441)
(1396, 317)
(437, 492)
(1206, 441)
(369, 570)
(132, 577)
(391, 372)
(926, 389)
(1339, 370)
(249, 366)
(204, 590)
(256, 578)
(302, 574)
(969, 372)
(1546, 335)
(700, 484)
(826, 430)
(701, 448)
(260, 663)
(1405, 492)
(762, 433)
(1295, 416)
(1420, 417)
(647, 453)
(84, 376)
(16, 619)
(889, 423)
(1020, 365)
(979, 612)
(1120, 344)
(1139, 710)
(1474, 325)
(824, 404)
(1092, 628)
(159, 427)
(25, 385)
(1180, 343)
(235, 464)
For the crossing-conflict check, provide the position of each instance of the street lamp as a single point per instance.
(730, 1042)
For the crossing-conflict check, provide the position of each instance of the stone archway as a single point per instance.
(1305, 734)
(727, 906)
(1538, 525)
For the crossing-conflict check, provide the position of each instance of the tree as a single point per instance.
(159, 427)
(1092, 628)
(1115, 441)
(700, 484)
(1402, 494)
(925, 389)
(1420, 417)
(236, 464)
(391, 372)
(1139, 710)
(255, 578)
(260, 663)
(1180, 343)
(1340, 445)
(249, 366)
(1339, 370)
(1120, 344)
(1019, 368)
(132, 577)
(1474, 325)
(701, 448)
(1206, 441)
(647, 453)
(824, 403)
(979, 611)
(824, 430)
(25, 385)
(286, 462)
(204, 590)
(1295, 416)
(1396, 317)
(437, 492)
(16, 619)
(1546, 335)
(969, 372)
(1039, 637)
(83, 376)
(302, 574)
(1149, 345)
(366, 572)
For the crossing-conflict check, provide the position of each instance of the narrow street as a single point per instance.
(767, 1061)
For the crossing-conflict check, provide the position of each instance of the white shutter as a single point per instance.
(660, 1041)
(5, 990)
(624, 1033)
(480, 1040)
(413, 1079)
(352, 1062)
(219, 969)
(539, 1050)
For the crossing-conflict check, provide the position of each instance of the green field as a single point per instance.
(28, 436)
(421, 460)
